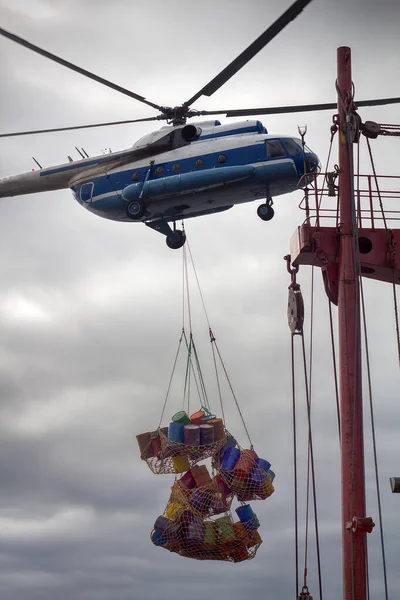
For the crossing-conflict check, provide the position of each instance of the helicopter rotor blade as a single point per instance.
(37, 131)
(243, 58)
(278, 110)
(65, 63)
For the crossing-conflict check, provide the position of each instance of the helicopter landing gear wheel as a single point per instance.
(265, 211)
(176, 239)
(135, 210)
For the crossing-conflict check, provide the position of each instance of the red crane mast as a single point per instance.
(351, 412)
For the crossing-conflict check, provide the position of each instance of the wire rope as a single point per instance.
(371, 407)
(396, 312)
(296, 511)
(214, 345)
(311, 451)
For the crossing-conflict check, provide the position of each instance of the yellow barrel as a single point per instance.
(172, 509)
(181, 463)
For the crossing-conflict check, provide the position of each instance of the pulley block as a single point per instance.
(295, 310)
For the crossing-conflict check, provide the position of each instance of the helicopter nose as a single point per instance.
(313, 164)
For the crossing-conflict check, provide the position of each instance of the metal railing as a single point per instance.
(321, 199)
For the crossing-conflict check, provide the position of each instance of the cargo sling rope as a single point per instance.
(198, 521)
(369, 380)
(296, 320)
(391, 249)
(216, 352)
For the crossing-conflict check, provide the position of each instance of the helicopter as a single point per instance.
(182, 170)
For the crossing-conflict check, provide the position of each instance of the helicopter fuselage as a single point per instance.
(220, 166)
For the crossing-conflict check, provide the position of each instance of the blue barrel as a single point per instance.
(272, 474)
(252, 524)
(230, 458)
(201, 501)
(176, 432)
(207, 418)
(245, 513)
(259, 471)
(230, 443)
(161, 523)
(206, 434)
(264, 464)
(158, 538)
(191, 435)
(172, 532)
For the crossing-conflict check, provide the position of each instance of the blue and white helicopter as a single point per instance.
(182, 170)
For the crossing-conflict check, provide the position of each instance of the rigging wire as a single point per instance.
(378, 493)
(214, 343)
(334, 129)
(296, 511)
(390, 243)
(309, 446)
(311, 451)
(212, 339)
(362, 300)
(171, 378)
(334, 365)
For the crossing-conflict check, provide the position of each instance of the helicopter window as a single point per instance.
(136, 176)
(86, 192)
(275, 149)
(221, 158)
(159, 171)
(293, 148)
(199, 163)
(176, 168)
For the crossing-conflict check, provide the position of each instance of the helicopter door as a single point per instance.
(86, 192)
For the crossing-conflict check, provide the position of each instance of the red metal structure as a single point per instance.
(351, 415)
(351, 247)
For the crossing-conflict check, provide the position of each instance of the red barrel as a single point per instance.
(144, 442)
(201, 475)
(197, 416)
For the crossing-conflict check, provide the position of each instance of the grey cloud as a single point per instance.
(90, 310)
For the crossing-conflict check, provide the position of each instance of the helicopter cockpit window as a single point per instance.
(275, 149)
(293, 148)
(199, 163)
(159, 171)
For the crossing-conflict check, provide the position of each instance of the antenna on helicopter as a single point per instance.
(85, 153)
(39, 165)
(79, 152)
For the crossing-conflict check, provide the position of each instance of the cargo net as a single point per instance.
(164, 454)
(197, 522)
(243, 472)
(191, 527)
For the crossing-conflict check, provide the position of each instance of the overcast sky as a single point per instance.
(91, 310)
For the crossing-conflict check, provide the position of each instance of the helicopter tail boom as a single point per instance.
(33, 182)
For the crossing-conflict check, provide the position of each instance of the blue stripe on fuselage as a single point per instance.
(235, 157)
